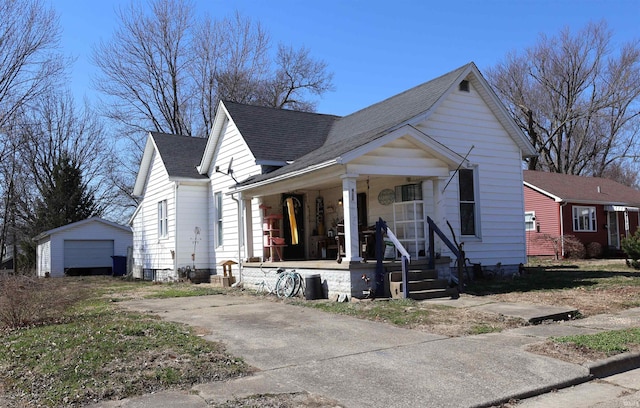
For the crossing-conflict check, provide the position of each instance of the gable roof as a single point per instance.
(580, 189)
(355, 130)
(81, 223)
(279, 135)
(179, 154)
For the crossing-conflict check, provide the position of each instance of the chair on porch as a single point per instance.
(366, 239)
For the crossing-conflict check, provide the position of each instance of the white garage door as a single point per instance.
(88, 254)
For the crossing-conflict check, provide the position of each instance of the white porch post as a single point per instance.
(350, 207)
(440, 209)
(248, 220)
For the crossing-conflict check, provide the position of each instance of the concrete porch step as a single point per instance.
(434, 294)
(414, 275)
(423, 289)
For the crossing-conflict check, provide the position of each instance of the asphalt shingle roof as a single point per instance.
(583, 189)
(279, 134)
(180, 154)
(359, 128)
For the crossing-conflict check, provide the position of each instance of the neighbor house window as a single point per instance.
(584, 219)
(218, 208)
(466, 184)
(530, 221)
(163, 219)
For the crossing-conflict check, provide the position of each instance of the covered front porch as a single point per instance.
(323, 219)
(357, 280)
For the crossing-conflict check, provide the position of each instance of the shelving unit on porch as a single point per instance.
(273, 243)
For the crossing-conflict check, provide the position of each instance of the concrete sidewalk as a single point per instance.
(367, 364)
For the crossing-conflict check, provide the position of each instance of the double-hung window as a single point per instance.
(466, 182)
(530, 221)
(163, 219)
(584, 219)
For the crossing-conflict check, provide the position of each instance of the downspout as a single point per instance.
(562, 230)
(240, 235)
(175, 223)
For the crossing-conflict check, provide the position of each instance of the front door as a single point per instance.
(612, 225)
(293, 223)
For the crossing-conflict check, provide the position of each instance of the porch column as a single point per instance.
(439, 208)
(248, 221)
(350, 208)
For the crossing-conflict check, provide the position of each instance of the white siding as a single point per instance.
(192, 213)
(231, 145)
(150, 251)
(463, 120)
(44, 257)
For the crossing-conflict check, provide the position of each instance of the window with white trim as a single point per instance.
(466, 183)
(584, 219)
(530, 221)
(163, 219)
(217, 198)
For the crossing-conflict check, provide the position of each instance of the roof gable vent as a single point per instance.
(464, 86)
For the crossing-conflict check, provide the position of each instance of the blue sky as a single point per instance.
(375, 49)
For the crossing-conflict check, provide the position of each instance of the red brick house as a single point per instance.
(592, 209)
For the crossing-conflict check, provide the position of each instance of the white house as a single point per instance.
(446, 149)
(83, 247)
(171, 222)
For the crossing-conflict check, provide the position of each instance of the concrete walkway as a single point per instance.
(367, 364)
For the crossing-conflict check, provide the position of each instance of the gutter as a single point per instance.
(285, 176)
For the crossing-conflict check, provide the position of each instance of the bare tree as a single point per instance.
(166, 69)
(575, 98)
(230, 61)
(297, 75)
(144, 68)
(30, 62)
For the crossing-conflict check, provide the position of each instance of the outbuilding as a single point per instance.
(86, 247)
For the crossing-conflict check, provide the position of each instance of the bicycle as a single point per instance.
(288, 283)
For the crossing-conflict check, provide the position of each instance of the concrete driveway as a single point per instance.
(361, 363)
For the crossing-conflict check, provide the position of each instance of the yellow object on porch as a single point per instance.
(292, 221)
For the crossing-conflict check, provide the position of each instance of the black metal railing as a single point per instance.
(382, 228)
(457, 250)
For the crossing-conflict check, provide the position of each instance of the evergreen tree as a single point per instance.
(67, 199)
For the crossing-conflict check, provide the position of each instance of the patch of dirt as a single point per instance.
(296, 400)
(566, 352)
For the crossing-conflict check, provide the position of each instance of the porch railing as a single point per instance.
(382, 228)
(455, 249)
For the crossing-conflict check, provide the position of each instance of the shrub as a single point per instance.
(26, 301)
(594, 250)
(631, 247)
(573, 248)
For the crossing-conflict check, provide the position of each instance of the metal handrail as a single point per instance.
(455, 249)
(381, 227)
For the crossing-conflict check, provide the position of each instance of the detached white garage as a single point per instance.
(86, 247)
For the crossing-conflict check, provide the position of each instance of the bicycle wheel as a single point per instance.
(286, 285)
(298, 283)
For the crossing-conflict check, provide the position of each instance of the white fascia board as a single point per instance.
(282, 177)
(208, 156)
(145, 165)
(541, 191)
(514, 131)
(190, 180)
